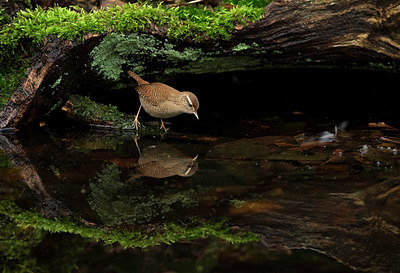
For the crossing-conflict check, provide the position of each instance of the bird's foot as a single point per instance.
(163, 126)
(135, 138)
(136, 124)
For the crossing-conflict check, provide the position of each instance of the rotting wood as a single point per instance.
(331, 32)
(55, 60)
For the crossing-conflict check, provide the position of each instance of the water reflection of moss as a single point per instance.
(170, 232)
(4, 160)
(118, 202)
(16, 244)
(20, 247)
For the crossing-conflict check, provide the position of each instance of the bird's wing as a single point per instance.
(156, 93)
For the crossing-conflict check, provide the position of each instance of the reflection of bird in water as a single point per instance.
(163, 161)
(162, 101)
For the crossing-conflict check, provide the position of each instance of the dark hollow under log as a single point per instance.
(298, 33)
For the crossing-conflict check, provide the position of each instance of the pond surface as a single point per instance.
(288, 194)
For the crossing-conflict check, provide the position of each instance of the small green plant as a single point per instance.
(87, 109)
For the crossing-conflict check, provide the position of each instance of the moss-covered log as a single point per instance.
(291, 33)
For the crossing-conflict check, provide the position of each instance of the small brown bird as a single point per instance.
(165, 160)
(162, 101)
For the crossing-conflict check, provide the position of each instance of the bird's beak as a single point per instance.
(195, 113)
(191, 165)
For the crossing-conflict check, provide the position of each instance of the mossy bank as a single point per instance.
(179, 23)
(129, 33)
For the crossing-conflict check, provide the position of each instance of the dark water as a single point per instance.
(287, 194)
(286, 171)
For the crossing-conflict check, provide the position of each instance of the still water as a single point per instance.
(290, 195)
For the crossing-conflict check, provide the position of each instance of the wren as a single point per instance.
(162, 101)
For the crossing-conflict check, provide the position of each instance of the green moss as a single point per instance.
(140, 51)
(24, 32)
(170, 233)
(92, 112)
(10, 77)
(218, 64)
(87, 109)
(56, 83)
(241, 47)
(117, 51)
(254, 3)
(29, 28)
(4, 18)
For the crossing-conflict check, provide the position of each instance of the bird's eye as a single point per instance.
(189, 101)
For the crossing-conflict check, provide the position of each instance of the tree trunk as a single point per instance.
(343, 33)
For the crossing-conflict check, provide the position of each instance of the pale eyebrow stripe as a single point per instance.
(189, 100)
(188, 170)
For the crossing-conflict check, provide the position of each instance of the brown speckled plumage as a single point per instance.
(162, 101)
(164, 160)
(156, 93)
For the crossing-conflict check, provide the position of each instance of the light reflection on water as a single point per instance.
(335, 193)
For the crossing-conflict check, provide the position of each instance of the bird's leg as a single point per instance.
(135, 138)
(163, 126)
(136, 122)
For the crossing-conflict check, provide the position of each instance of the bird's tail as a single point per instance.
(139, 80)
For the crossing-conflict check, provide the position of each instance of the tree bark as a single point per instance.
(328, 32)
(36, 95)
(343, 33)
